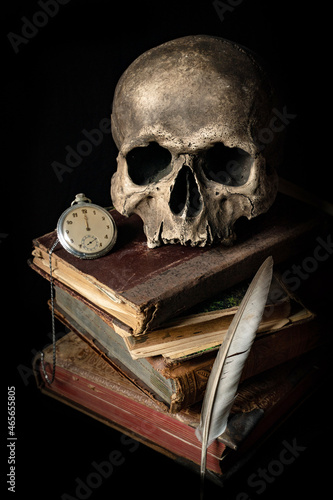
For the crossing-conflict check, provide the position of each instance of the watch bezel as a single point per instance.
(78, 253)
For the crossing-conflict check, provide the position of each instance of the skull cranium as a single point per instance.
(186, 117)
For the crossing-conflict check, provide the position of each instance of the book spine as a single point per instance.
(190, 386)
(187, 391)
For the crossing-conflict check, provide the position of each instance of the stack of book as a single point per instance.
(144, 326)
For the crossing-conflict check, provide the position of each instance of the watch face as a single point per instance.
(87, 231)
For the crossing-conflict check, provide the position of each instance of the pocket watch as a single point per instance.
(86, 230)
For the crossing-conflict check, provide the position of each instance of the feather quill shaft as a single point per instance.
(228, 366)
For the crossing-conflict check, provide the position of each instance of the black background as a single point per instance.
(61, 82)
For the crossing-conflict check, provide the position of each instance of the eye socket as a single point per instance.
(148, 164)
(229, 166)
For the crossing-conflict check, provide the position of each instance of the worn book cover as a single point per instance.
(144, 287)
(201, 328)
(84, 381)
(179, 383)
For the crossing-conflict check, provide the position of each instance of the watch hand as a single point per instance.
(87, 224)
(92, 241)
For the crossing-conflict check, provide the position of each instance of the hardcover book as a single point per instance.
(142, 287)
(181, 382)
(197, 330)
(84, 381)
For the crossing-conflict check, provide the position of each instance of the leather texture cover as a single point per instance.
(153, 285)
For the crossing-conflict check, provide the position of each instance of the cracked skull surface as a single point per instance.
(188, 118)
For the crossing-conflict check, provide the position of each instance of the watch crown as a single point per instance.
(80, 198)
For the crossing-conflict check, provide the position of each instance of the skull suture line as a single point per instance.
(186, 119)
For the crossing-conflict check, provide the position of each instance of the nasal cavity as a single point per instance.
(185, 195)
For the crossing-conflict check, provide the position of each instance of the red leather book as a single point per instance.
(84, 378)
(86, 382)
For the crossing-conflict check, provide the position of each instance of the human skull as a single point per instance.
(187, 118)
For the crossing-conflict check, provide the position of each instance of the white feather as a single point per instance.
(229, 363)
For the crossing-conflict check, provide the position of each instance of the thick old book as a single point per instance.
(204, 328)
(84, 381)
(179, 383)
(173, 385)
(142, 287)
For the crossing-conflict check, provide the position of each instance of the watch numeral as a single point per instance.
(69, 222)
(74, 214)
(84, 210)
